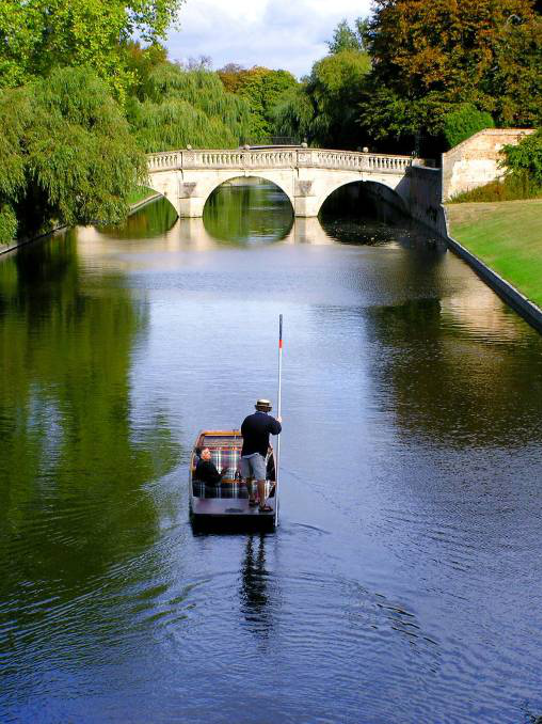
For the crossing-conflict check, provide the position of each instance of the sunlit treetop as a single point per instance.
(43, 34)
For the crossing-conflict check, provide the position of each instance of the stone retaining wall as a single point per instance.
(512, 296)
(475, 162)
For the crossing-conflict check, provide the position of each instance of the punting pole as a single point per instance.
(279, 414)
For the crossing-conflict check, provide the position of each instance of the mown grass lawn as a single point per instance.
(507, 236)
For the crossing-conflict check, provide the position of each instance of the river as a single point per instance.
(403, 584)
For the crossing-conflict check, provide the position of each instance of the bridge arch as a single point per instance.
(389, 185)
(205, 191)
(158, 196)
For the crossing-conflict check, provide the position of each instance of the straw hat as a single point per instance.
(263, 405)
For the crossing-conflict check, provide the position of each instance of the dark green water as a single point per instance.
(403, 583)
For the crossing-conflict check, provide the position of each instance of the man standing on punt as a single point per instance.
(255, 430)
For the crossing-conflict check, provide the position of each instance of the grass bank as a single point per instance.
(507, 236)
(140, 193)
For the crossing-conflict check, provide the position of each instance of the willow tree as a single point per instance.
(188, 107)
(66, 153)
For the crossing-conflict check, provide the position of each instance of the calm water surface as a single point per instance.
(404, 583)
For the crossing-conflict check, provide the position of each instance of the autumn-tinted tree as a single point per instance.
(262, 88)
(140, 62)
(429, 55)
(231, 76)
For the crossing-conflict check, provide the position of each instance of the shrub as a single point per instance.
(511, 188)
(464, 122)
(526, 158)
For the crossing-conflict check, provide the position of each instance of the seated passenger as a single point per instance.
(206, 469)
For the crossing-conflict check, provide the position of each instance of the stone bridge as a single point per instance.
(307, 176)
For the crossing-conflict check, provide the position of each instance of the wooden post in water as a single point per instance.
(279, 414)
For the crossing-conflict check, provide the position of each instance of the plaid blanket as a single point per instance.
(227, 457)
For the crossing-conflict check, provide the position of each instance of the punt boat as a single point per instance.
(226, 505)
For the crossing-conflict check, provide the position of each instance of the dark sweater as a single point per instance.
(206, 472)
(255, 430)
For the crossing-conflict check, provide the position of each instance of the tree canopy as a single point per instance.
(184, 106)
(525, 159)
(37, 36)
(325, 109)
(430, 55)
(262, 88)
(347, 38)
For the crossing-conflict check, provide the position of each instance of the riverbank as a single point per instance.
(138, 199)
(507, 237)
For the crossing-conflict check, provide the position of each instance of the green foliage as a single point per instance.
(37, 36)
(67, 151)
(325, 110)
(184, 107)
(140, 193)
(388, 114)
(526, 158)
(510, 188)
(464, 122)
(435, 53)
(294, 114)
(140, 63)
(347, 38)
(263, 89)
(8, 223)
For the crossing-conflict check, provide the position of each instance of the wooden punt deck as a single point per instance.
(232, 513)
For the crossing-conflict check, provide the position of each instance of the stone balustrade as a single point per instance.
(248, 160)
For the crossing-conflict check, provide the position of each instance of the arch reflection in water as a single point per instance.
(248, 211)
(353, 215)
(147, 222)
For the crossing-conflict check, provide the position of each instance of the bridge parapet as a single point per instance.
(278, 158)
(306, 175)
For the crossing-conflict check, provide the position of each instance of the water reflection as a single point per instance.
(404, 563)
(74, 461)
(461, 395)
(251, 211)
(146, 223)
(255, 605)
